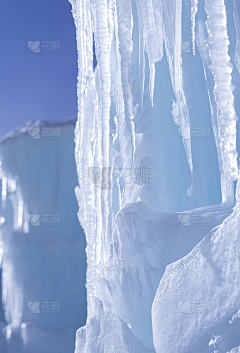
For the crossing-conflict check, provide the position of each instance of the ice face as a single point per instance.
(156, 131)
(42, 241)
(198, 295)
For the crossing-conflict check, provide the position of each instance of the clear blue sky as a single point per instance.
(36, 85)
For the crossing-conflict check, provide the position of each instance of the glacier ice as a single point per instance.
(156, 158)
(200, 292)
(155, 102)
(41, 240)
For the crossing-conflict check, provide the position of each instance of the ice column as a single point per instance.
(221, 68)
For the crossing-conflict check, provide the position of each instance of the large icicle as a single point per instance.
(87, 111)
(172, 29)
(194, 10)
(221, 68)
(237, 24)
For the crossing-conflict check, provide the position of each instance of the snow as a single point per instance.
(200, 293)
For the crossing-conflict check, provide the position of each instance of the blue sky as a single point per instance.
(37, 85)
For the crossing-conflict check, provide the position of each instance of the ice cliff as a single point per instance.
(156, 154)
(42, 243)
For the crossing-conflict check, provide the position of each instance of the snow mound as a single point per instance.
(199, 295)
(105, 333)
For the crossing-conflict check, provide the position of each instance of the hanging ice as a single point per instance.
(149, 108)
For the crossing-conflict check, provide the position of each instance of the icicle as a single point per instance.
(218, 43)
(85, 134)
(237, 25)
(125, 89)
(204, 52)
(152, 81)
(4, 191)
(194, 10)
(172, 29)
(141, 65)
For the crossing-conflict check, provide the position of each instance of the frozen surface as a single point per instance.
(201, 294)
(41, 239)
(160, 102)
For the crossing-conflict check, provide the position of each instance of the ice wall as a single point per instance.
(156, 125)
(198, 295)
(44, 262)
